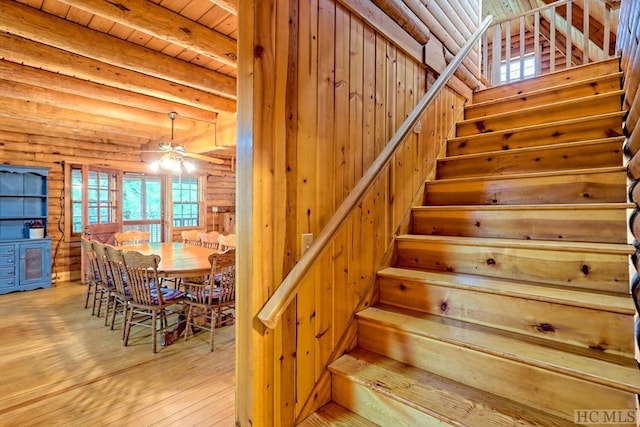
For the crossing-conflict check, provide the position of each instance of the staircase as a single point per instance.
(508, 304)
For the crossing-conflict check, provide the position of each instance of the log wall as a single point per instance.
(40, 150)
(628, 45)
(321, 92)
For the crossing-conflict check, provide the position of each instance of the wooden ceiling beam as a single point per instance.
(35, 25)
(53, 130)
(23, 51)
(230, 6)
(42, 113)
(43, 95)
(58, 82)
(162, 23)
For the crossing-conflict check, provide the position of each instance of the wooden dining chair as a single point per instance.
(207, 303)
(105, 291)
(226, 242)
(191, 237)
(210, 239)
(112, 257)
(132, 237)
(150, 303)
(91, 274)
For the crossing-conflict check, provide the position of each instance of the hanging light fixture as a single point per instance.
(172, 160)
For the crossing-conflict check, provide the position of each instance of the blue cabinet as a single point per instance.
(25, 263)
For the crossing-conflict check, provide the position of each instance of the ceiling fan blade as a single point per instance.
(203, 158)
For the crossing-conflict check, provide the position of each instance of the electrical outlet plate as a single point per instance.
(305, 242)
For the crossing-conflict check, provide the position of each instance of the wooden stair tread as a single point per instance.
(445, 400)
(607, 66)
(541, 91)
(549, 147)
(611, 169)
(551, 245)
(602, 301)
(538, 126)
(607, 102)
(527, 207)
(334, 415)
(609, 370)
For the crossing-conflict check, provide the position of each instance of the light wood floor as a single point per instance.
(61, 366)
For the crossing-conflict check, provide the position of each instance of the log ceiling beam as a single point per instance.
(230, 6)
(162, 23)
(35, 25)
(400, 13)
(53, 130)
(23, 51)
(58, 82)
(82, 104)
(42, 114)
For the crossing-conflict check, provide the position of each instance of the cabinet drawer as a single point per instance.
(7, 261)
(7, 271)
(8, 282)
(7, 250)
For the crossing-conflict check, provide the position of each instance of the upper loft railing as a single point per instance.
(543, 40)
(272, 311)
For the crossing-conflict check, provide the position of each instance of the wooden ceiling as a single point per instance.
(101, 70)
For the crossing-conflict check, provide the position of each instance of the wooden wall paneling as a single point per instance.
(341, 108)
(324, 324)
(308, 180)
(369, 98)
(356, 82)
(381, 122)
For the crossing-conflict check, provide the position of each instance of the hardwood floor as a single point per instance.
(61, 366)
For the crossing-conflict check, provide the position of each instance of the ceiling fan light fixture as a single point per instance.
(172, 160)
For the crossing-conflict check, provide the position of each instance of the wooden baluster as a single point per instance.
(585, 32)
(569, 33)
(606, 49)
(536, 42)
(496, 54)
(507, 50)
(552, 41)
(522, 46)
(485, 54)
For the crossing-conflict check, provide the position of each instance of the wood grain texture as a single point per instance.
(82, 375)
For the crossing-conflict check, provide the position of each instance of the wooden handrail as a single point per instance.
(272, 310)
(531, 12)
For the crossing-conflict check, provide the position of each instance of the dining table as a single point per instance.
(177, 259)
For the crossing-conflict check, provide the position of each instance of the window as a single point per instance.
(185, 195)
(514, 68)
(94, 197)
(142, 204)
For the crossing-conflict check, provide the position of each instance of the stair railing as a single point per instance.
(273, 309)
(563, 34)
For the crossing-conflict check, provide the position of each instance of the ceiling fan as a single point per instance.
(174, 155)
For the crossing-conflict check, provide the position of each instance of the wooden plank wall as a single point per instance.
(320, 96)
(40, 150)
(628, 45)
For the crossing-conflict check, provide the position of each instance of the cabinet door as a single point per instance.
(35, 260)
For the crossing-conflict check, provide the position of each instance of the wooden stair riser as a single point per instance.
(587, 328)
(578, 225)
(611, 66)
(590, 106)
(434, 396)
(547, 390)
(577, 155)
(598, 271)
(587, 187)
(381, 407)
(575, 90)
(583, 129)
